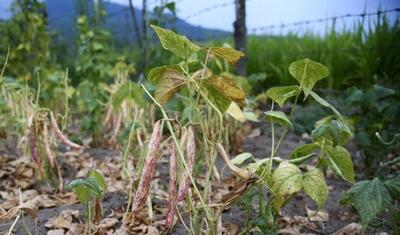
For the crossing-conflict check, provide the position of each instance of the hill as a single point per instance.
(62, 16)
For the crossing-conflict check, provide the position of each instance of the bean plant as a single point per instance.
(209, 96)
(90, 191)
(284, 176)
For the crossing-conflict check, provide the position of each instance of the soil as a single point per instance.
(258, 145)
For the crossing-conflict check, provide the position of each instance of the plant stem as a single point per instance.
(284, 132)
(125, 157)
(88, 217)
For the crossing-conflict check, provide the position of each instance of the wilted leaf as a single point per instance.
(340, 161)
(229, 54)
(315, 186)
(303, 152)
(281, 94)
(177, 44)
(226, 87)
(369, 197)
(307, 73)
(278, 117)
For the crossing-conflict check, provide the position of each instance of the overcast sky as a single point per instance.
(267, 12)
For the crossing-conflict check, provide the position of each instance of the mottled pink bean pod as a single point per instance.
(191, 153)
(61, 136)
(172, 191)
(33, 147)
(46, 143)
(153, 154)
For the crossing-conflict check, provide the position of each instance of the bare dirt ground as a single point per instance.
(295, 219)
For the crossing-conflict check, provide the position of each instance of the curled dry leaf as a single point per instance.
(27, 207)
(352, 228)
(317, 216)
(63, 221)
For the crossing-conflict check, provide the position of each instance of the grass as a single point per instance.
(359, 56)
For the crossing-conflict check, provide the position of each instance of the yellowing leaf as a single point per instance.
(315, 187)
(229, 54)
(235, 112)
(281, 94)
(226, 87)
(167, 87)
(307, 73)
(278, 117)
(177, 44)
(166, 71)
(287, 179)
(168, 80)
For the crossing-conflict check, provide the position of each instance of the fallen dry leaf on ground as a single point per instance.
(350, 229)
(27, 207)
(63, 221)
(317, 216)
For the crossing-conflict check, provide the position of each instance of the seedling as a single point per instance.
(88, 191)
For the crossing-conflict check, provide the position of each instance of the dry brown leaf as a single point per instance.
(76, 229)
(317, 216)
(26, 207)
(230, 229)
(56, 232)
(64, 220)
(108, 223)
(350, 229)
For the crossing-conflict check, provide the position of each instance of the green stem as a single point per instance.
(284, 132)
(125, 157)
(89, 215)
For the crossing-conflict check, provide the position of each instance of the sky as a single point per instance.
(267, 12)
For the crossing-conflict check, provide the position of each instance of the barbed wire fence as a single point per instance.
(321, 20)
(262, 30)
